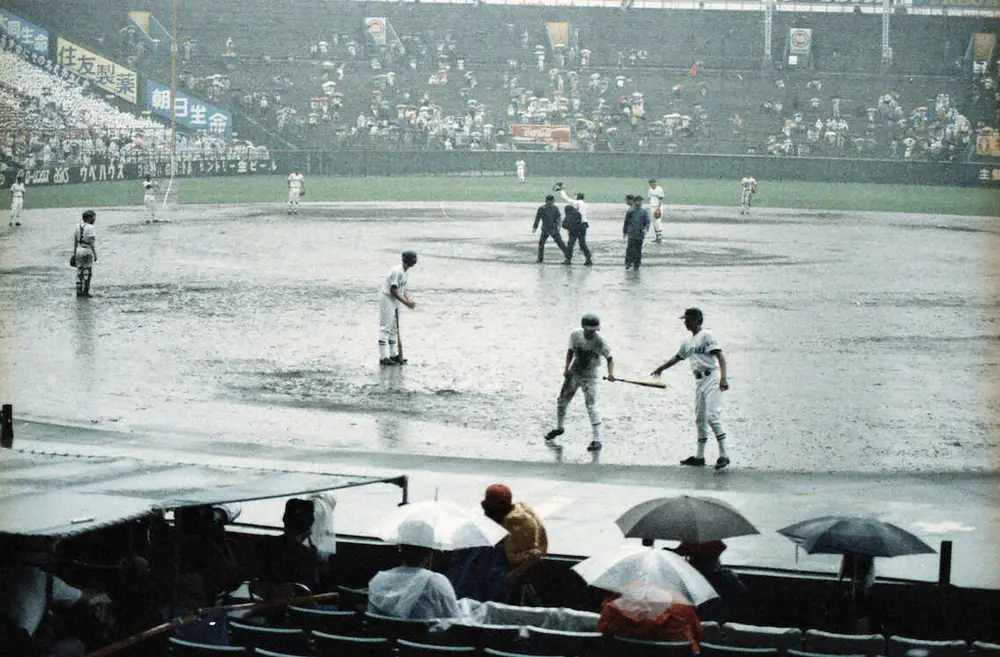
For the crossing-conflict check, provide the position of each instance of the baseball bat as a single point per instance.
(399, 337)
(648, 384)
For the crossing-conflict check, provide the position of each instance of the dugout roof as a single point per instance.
(56, 496)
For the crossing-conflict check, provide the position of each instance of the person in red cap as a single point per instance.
(526, 542)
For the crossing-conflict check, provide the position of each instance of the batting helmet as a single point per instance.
(591, 322)
(409, 257)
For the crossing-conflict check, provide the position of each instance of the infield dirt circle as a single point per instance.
(856, 342)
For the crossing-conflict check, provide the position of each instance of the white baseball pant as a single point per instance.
(293, 198)
(388, 347)
(16, 205)
(571, 384)
(149, 204)
(708, 407)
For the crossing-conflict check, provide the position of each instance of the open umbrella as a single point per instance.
(684, 518)
(439, 526)
(854, 535)
(630, 566)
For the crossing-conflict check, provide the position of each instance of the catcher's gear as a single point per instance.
(657, 213)
(410, 257)
(591, 322)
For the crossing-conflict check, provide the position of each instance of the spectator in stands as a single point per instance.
(655, 615)
(412, 590)
(479, 573)
(855, 612)
(705, 559)
(526, 542)
(27, 595)
(291, 558)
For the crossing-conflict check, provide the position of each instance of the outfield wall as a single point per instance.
(638, 165)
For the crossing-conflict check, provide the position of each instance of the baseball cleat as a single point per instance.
(386, 361)
(555, 433)
(396, 360)
(567, 261)
(594, 446)
(722, 462)
(693, 460)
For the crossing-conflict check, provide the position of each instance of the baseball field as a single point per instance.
(858, 340)
(771, 194)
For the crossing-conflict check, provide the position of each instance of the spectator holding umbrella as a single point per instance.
(705, 559)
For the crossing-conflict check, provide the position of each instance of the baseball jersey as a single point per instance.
(749, 184)
(395, 278)
(520, 165)
(698, 349)
(17, 191)
(149, 186)
(579, 204)
(656, 196)
(86, 234)
(295, 181)
(587, 353)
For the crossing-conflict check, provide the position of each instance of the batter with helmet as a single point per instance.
(393, 296)
(586, 346)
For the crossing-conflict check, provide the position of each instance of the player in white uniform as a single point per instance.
(520, 164)
(583, 356)
(296, 189)
(85, 252)
(392, 297)
(656, 207)
(748, 187)
(149, 187)
(17, 200)
(704, 352)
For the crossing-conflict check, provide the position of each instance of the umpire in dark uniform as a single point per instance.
(635, 228)
(548, 216)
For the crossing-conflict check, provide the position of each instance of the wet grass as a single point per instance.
(777, 194)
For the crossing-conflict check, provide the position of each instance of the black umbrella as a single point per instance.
(684, 518)
(853, 535)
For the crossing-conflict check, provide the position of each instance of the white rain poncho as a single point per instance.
(412, 593)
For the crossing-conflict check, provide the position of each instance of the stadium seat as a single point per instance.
(899, 646)
(543, 641)
(499, 637)
(337, 645)
(712, 632)
(621, 646)
(870, 645)
(490, 652)
(413, 649)
(717, 650)
(182, 648)
(763, 636)
(983, 649)
(356, 599)
(260, 652)
(803, 653)
(395, 628)
(325, 620)
(271, 638)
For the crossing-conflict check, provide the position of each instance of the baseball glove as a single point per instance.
(302, 192)
(657, 213)
(558, 186)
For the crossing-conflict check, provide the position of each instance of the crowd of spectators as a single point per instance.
(51, 117)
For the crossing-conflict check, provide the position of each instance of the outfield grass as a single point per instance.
(263, 189)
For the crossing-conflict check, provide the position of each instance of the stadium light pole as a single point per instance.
(173, 91)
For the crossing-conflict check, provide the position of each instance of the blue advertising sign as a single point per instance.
(29, 35)
(189, 112)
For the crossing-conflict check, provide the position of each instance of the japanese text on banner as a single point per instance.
(189, 112)
(32, 37)
(106, 74)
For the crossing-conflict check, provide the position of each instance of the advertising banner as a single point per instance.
(988, 145)
(555, 135)
(558, 34)
(799, 40)
(972, 4)
(982, 46)
(29, 35)
(132, 171)
(106, 74)
(376, 28)
(189, 112)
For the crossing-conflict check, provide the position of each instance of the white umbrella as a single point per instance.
(622, 568)
(439, 526)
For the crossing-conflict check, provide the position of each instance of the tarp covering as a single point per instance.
(63, 495)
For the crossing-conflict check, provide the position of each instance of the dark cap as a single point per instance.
(652, 181)
(410, 257)
(693, 313)
(636, 198)
(629, 197)
(550, 197)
